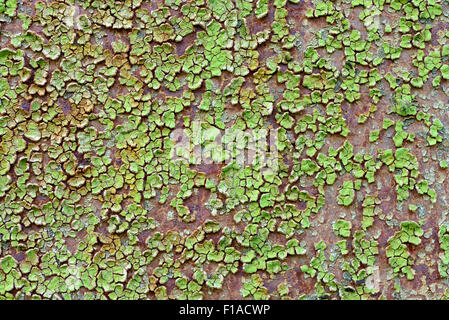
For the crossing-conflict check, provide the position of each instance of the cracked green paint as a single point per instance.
(93, 205)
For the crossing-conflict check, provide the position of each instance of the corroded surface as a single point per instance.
(95, 97)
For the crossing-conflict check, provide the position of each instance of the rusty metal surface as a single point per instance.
(74, 117)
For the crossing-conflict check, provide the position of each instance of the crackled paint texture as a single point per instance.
(93, 204)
